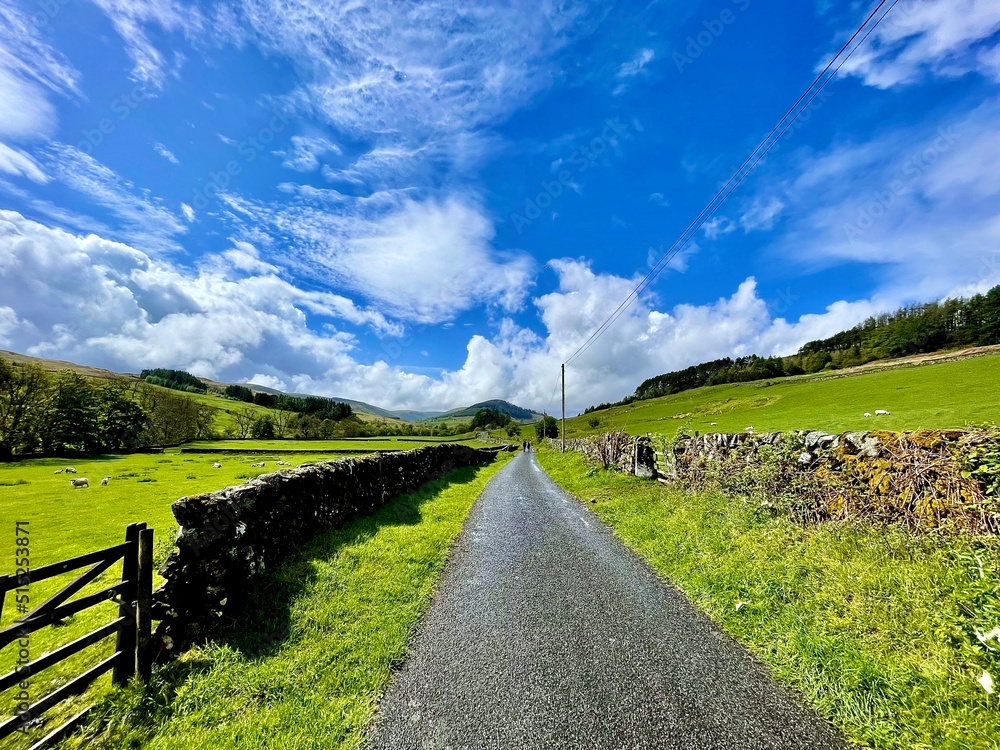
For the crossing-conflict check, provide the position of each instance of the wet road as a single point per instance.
(546, 632)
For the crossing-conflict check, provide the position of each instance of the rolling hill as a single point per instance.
(928, 391)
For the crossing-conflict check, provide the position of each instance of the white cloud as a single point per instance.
(422, 261)
(917, 204)
(717, 227)
(165, 153)
(145, 220)
(86, 298)
(761, 215)
(306, 151)
(29, 71)
(658, 199)
(635, 66)
(268, 381)
(232, 318)
(16, 162)
(187, 211)
(131, 19)
(947, 38)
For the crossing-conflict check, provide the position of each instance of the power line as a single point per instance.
(750, 163)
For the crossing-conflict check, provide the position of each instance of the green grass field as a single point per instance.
(938, 395)
(874, 628)
(65, 522)
(347, 604)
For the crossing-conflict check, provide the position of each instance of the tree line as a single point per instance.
(65, 412)
(316, 406)
(177, 380)
(917, 329)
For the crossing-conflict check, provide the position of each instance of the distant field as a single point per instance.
(945, 394)
(345, 445)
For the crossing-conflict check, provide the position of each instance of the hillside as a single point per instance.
(920, 392)
(364, 411)
(517, 413)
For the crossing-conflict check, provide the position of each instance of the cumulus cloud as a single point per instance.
(948, 38)
(90, 299)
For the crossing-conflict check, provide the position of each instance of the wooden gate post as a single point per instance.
(144, 606)
(125, 663)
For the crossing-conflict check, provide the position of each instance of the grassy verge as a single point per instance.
(874, 627)
(330, 626)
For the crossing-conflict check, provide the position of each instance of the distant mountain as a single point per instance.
(518, 413)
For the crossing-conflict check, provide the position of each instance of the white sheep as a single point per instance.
(281, 463)
(881, 413)
(259, 465)
(58, 471)
(714, 424)
(70, 470)
(867, 414)
(81, 482)
(216, 465)
(748, 429)
(104, 481)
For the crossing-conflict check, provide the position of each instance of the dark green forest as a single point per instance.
(917, 329)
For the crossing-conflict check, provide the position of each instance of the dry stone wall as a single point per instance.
(228, 538)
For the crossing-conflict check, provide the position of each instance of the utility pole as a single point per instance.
(564, 408)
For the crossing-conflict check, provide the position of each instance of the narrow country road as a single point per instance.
(546, 632)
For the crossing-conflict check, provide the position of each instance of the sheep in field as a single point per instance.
(70, 470)
(881, 413)
(867, 414)
(216, 465)
(81, 482)
(58, 471)
(104, 481)
(260, 465)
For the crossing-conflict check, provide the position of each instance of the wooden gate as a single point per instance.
(132, 655)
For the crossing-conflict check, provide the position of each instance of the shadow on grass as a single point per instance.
(266, 622)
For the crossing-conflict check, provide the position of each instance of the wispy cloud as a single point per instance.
(132, 18)
(16, 162)
(636, 65)
(166, 153)
(305, 153)
(145, 220)
(947, 38)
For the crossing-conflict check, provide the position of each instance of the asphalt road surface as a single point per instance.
(546, 632)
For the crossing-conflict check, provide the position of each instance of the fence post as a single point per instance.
(144, 606)
(125, 664)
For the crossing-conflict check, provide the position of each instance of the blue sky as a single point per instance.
(422, 205)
